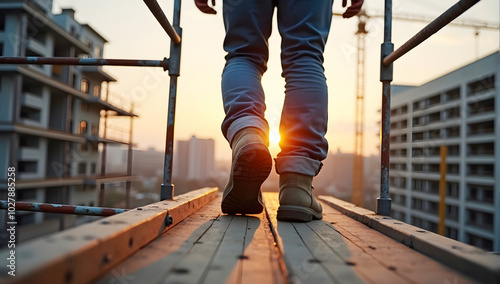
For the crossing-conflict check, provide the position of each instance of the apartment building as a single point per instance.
(194, 159)
(460, 110)
(50, 116)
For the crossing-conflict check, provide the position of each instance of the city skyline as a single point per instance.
(199, 104)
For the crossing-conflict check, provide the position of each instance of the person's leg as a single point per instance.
(248, 27)
(304, 27)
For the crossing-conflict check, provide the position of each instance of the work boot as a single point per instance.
(251, 165)
(297, 203)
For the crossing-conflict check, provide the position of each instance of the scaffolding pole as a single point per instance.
(60, 208)
(383, 206)
(167, 188)
(85, 61)
(444, 19)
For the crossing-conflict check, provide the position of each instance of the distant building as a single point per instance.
(194, 159)
(460, 110)
(335, 177)
(50, 116)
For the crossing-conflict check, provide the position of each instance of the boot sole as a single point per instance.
(294, 213)
(250, 169)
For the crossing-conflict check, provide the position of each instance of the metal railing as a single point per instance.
(388, 56)
(171, 64)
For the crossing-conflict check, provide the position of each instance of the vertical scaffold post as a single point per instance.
(167, 188)
(386, 72)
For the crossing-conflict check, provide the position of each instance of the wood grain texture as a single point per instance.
(206, 248)
(82, 254)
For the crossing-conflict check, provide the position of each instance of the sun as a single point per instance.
(274, 137)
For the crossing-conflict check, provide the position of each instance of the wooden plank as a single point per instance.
(261, 264)
(369, 268)
(406, 263)
(300, 262)
(174, 240)
(193, 266)
(231, 251)
(467, 259)
(168, 259)
(339, 270)
(82, 254)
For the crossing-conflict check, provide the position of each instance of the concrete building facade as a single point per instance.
(194, 159)
(460, 110)
(50, 116)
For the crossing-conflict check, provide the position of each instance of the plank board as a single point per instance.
(347, 251)
(206, 248)
(84, 253)
(396, 259)
(306, 255)
(472, 261)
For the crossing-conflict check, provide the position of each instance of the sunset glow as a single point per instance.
(274, 137)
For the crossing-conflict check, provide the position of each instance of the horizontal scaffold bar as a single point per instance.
(449, 15)
(155, 8)
(84, 61)
(61, 208)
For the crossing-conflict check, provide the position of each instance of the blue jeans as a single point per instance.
(304, 26)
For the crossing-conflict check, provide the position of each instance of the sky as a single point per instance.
(133, 33)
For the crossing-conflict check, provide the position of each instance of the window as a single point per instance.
(2, 22)
(28, 141)
(452, 189)
(452, 212)
(480, 242)
(481, 149)
(27, 166)
(84, 87)
(482, 106)
(96, 91)
(57, 71)
(483, 170)
(95, 130)
(82, 129)
(26, 194)
(93, 168)
(1, 49)
(452, 233)
(25, 219)
(480, 193)
(453, 95)
(30, 113)
(82, 168)
(482, 85)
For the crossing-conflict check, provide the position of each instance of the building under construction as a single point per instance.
(186, 239)
(50, 116)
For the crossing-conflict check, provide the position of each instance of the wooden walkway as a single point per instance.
(209, 247)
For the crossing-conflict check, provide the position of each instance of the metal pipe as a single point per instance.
(85, 61)
(384, 201)
(167, 188)
(441, 21)
(155, 8)
(383, 206)
(61, 209)
(128, 184)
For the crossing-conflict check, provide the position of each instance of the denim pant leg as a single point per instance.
(304, 26)
(248, 27)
